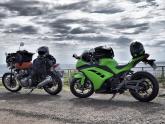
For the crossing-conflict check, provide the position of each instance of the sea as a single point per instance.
(140, 66)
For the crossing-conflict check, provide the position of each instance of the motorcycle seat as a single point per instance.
(121, 66)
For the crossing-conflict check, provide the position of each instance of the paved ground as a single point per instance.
(40, 108)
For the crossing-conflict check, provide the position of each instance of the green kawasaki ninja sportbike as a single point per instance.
(98, 72)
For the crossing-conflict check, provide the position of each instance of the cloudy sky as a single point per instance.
(71, 26)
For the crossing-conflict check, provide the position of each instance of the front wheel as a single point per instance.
(149, 87)
(81, 91)
(55, 86)
(10, 83)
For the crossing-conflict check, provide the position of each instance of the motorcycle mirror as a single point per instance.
(22, 44)
(75, 55)
(6, 53)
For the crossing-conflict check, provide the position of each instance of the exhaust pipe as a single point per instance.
(45, 82)
(131, 84)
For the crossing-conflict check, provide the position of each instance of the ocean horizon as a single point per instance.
(4, 69)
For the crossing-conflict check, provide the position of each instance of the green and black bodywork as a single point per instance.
(106, 76)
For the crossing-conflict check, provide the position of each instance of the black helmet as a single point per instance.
(136, 49)
(44, 50)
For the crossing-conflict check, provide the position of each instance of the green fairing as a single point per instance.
(99, 76)
(80, 63)
(95, 77)
(112, 64)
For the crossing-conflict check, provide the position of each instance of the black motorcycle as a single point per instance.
(21, 68)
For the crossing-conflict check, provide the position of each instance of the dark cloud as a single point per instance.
(94, 38)
(138, 27)
(14, 28)
(73, 6)
(150, 3)
(137, 30)
(2, 15)
(62, 26)
(80, 30)
(135, 1)
(128, 24)
(122, 41)
(24, 8)
(87, 7)
(108, 11)
(59, 27)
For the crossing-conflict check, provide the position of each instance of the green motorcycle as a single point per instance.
(98, 72)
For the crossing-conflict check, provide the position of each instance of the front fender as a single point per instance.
(80, 76)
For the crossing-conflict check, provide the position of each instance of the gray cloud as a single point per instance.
(108, 10)
(2, 15)
(24, 8)
(62, 26)
(93, 38)
(138, 27)
(135, 1)
(137, 30)
(128, 24)
(73, 6)
(81, 31)
(160, 43)
(18, 29)
(122, 41)
(95, 22)
(59, 27)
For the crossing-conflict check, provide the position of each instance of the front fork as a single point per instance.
(81, 77)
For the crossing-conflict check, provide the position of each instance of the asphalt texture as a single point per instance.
(41, 108)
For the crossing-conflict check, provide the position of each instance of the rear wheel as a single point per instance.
(149, 87)
(55, 86)
(81, 91)
(10, 83)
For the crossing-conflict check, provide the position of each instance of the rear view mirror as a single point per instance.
(6, 53)
(76, 56)
(22, 44)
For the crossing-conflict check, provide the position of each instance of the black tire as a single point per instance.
(58, 81)
(74, 92)
(155, 86)
(4, 78)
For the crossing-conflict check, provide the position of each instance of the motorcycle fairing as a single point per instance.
(97, 74)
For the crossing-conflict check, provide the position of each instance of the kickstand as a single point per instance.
(30, 91)
(113, 96)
